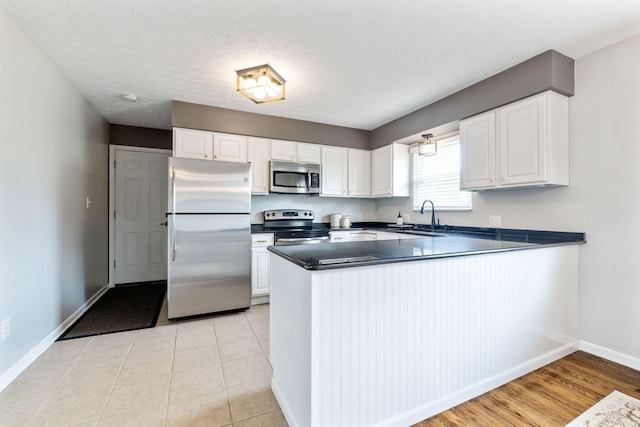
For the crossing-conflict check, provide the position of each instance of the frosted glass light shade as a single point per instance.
(260, 84)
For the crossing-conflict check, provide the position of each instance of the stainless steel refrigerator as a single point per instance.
(209, 242)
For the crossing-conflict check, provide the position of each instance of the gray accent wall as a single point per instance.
(195, 116)
(134, 136)
(53, 250)
(548, 71)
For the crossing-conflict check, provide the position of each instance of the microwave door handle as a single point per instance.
(308, 181)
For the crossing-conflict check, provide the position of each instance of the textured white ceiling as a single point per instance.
(355, 63)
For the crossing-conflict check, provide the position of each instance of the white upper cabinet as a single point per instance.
(284, 150)
(478, 154)
(309, 153)
(258, 154)
(192, 144)
(229, 148)
(295, 151)
(390, 171)
(334, 171)
(359, 167)
(530, 143)
(200, 144)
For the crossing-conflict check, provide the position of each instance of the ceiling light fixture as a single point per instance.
(129, 97)
(428, 147)
(260, 84)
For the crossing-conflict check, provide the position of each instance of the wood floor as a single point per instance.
(550, 396)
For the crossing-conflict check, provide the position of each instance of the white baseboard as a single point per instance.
(22, 364)
(263, 299)
(612, 355)
(284, 405)
(432, 408)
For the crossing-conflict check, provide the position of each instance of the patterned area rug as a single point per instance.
(617, 409)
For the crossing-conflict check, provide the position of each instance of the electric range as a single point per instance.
(294, 227)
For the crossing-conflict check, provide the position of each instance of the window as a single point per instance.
(437, 178)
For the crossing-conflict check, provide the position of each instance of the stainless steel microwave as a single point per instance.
(291, 177)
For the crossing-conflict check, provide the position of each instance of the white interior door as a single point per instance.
(140, 208)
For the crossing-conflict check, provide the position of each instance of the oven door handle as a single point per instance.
(302, 239)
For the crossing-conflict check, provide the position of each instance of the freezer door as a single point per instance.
(209, 264)
(205, 186)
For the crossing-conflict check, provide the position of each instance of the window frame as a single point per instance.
(415, 204)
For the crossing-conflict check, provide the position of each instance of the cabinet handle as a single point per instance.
(205, 156)
(261, 241)
(215, 156)
(501, 179)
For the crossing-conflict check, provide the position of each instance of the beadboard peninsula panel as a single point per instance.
(393, 344)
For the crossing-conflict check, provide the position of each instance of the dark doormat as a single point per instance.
(123, 308)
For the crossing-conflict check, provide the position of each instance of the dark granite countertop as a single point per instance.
(455, 241)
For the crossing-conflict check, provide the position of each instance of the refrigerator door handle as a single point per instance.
(173, 214)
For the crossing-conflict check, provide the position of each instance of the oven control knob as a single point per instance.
(267, 214)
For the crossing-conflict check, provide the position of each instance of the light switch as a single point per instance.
(88, 202)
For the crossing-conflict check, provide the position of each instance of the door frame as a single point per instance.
(112, 199)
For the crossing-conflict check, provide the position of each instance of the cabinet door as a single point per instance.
(478, 151)
(260, 267)
(258, 151)
(283, 150)
(334, 171)
(359, 173)
(309, 153)
(382, 171)
(230, 148)
(192, 144)
(522, 140)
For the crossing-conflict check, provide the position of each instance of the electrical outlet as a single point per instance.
(495, 221)
(88, 202)
(407, 217)
(6, 328)
(357, 217)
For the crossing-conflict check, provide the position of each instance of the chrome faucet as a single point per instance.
(433, 213)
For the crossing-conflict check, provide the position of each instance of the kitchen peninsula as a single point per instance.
(391, 332)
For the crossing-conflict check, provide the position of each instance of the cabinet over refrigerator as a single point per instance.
(209, 244)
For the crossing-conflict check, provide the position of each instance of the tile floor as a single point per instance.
(210, 371)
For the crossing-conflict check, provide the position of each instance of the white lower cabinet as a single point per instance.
(260, 266)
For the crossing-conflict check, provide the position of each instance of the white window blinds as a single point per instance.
(437, 178)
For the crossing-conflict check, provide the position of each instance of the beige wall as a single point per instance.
(600, 201)
(53, 251)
